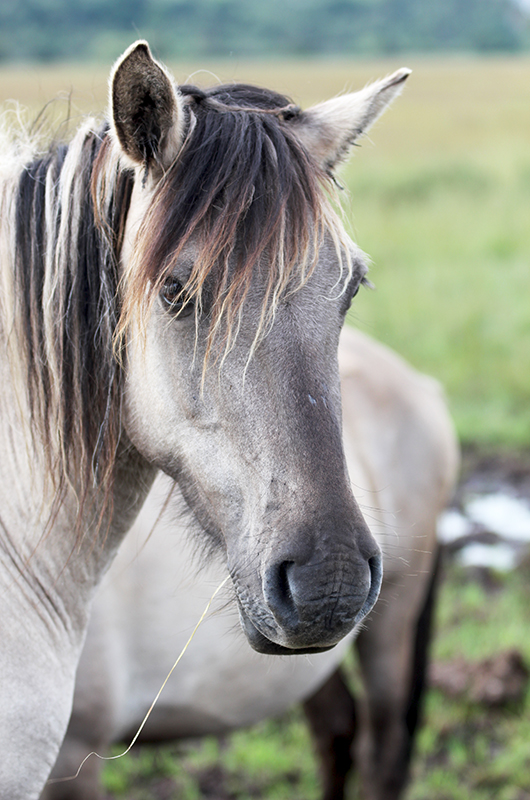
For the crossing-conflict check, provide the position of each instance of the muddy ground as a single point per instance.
(487, 472)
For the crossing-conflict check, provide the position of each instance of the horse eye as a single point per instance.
(175, 299)
(348, 297)
(355, 292)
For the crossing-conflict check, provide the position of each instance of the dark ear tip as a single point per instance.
(140, 45)
(139, 48)
(400, 76)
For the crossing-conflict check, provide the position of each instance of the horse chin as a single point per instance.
(261, 644)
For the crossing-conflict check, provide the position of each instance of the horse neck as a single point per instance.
(45, 550)
(45, 398)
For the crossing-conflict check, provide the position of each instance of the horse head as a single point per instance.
(236, 276)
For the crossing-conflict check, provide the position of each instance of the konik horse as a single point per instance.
(402, 458)
(174, 282)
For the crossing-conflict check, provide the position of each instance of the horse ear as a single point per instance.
(329, 129)
(146, 108)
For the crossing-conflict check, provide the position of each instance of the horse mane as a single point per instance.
(242, 186)
(64, 299)
(251, 198)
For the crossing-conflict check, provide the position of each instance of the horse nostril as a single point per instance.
(375, 564)
(283, 581)
(296, 596)
(278, 594)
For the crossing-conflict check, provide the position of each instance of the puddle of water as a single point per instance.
(505, 516)
(501, 557)
(499, 513)
(452, 525)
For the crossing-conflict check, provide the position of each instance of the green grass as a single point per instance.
(273, 760)
(465, 750)
(444, 215)
(450, 244)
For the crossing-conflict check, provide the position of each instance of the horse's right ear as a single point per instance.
(329, 129)
(146, 108)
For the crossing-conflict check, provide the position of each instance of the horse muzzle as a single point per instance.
(303, 611)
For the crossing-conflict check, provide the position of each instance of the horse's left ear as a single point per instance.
(146, 107)
(329, 129)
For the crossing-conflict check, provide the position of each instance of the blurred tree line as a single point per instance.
(50, 30)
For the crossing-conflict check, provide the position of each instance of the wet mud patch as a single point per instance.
(488, 471)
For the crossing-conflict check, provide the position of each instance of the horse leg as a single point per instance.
(393, 653)
(330, 713)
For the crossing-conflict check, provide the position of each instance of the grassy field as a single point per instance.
(439, 196)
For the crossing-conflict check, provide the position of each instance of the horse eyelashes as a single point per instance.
(349, 296)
